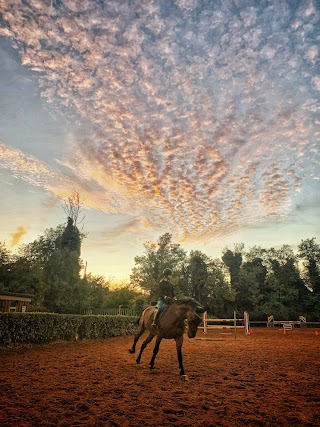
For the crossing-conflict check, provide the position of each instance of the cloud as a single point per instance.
(190, 117)
(37, 173)
(316, 81)
(17, 235)
(131, 225)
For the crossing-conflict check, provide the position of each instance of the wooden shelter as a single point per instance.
(14, 302)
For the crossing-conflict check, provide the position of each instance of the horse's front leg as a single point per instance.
(144, 345)
(179, 342)
(155, 352)
(136, 338)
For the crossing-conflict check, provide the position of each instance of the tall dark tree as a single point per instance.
(287, 295)
(204, 279)
(309, 252)
(70, 239)
(73, 208)
(251, 287)
(198, 275)
(233, 261)
(220, 297)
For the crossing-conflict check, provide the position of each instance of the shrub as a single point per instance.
(47, 327)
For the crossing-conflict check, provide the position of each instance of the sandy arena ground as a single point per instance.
(264, 379)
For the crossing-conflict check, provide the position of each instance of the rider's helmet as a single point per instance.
(167, 272)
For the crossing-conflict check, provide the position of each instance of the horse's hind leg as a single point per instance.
(144, 345)
(155, 352)
(137, 336)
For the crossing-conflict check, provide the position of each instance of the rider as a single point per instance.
(166, 293)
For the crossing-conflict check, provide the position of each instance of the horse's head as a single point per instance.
(194, 321)
(193, 316)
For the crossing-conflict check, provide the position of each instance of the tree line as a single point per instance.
(260, 281)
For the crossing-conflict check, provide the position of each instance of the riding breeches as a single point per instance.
(160, 305)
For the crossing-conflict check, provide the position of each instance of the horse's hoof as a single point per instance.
(131, 351)
(184, 377)
(138, 362)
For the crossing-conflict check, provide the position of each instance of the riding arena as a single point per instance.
(262, 378)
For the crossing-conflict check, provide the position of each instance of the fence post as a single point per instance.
(235, 324)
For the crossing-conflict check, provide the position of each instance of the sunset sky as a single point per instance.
(196, 117)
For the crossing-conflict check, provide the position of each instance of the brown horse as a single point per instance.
(175, 319)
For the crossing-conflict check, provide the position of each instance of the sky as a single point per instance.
(199, 118)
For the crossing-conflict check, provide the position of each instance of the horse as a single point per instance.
(177, 317)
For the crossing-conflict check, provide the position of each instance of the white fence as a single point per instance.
(115, 312)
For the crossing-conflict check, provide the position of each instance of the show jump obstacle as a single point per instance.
(287, 324)
(226, 323)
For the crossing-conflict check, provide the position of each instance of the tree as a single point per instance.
(204, 279)
(139, 303)
(93, 294)
(55, 258)
(40, 250)
(309, 252)
(69, 244)
(220, 297)
(70, 239)
(124, 297)
(73, 208)
(251, 286)
(148, 267)
(286, 293)
(62, 277)
(26, 277)
(194, 276)
(233, 261)
(198, 275)
(5, 266)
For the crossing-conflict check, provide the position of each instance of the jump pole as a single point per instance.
(205, 319)
(246, 323)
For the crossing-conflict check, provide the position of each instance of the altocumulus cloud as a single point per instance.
(40, 174)
(197, 116)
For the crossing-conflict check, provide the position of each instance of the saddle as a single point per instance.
(168, 302)
(161, 314)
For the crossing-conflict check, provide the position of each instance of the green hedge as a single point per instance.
(47, 327)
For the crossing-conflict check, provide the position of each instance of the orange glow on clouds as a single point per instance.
(186, 135)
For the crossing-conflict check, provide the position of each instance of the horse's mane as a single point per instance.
(188, 301)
